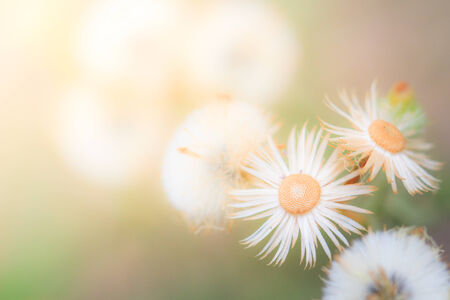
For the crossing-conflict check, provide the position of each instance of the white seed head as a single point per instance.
(107, 142)
(244, 48)
(131, 43)
(204, 159)
(394, 264)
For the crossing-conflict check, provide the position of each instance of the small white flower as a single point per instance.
(244, 48)
(204, 158)
(302, 197)
(388, 265)
(388, 140)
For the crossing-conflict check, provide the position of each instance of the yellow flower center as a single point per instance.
(299, 193)
(387, 136)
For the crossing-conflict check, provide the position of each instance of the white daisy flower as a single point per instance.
(243, 48)
(388, 265)
(204, 158)
(383, 138)
(302, 197)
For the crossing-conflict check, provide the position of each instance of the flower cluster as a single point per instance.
(223, 163)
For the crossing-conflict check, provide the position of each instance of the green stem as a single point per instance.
(380, 201)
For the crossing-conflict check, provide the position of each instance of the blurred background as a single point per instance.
(91, 92)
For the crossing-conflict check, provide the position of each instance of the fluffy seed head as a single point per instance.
(395, 264)
(130, 43)
(204, 159)
(106, 141)
(244, 48)
(299, 193)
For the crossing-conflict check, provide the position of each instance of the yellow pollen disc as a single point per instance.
(387, 136)
(299, 193)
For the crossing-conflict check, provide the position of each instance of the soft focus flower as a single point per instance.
(383, 138)
(401, 93)
(204, 158)
(243, 48)
(301, 197)
(108, 142)
(395, 264)
(130, 43)
(402, 102)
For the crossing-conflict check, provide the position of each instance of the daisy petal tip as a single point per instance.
(361, 232)
(372, 188)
